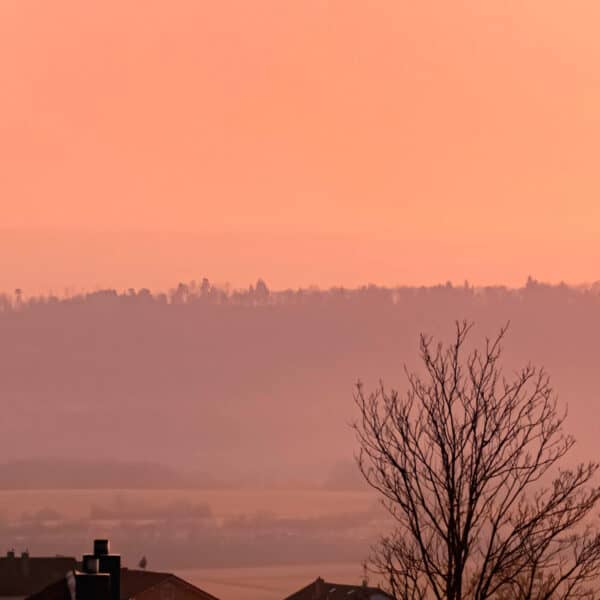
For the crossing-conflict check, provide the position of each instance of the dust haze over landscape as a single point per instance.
(250, 387)
(224, 416)
(217, 217)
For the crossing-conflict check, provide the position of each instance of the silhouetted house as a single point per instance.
(138, 584)
(148, 585)
(323, 590)
(102, 578)
(22, 575)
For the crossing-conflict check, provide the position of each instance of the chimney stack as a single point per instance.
(101, 547)
(91, 564)
(92, 586)
(25, 563)
(318, 588)
(90, 583)
(107, 564)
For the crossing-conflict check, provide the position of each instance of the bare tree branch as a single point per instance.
(467, 464)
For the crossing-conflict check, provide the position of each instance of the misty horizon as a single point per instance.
(223, 291)
(219, 219)
(195, 346)
(250, 393)
(51, 261)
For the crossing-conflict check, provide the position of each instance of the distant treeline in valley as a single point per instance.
(202, 293)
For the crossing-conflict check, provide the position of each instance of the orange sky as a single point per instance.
(308, 141)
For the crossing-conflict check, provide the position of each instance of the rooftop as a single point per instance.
(325, 590)
(24, 574)
(133, 583)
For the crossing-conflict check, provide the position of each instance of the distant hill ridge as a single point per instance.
(251, 386)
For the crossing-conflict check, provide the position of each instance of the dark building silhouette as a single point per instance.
(324, 590)
(21, 575)
(102, 578)
(138, 584)
(103, 562)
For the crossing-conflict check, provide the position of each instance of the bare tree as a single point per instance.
(467, 463)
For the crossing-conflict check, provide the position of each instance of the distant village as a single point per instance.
(101, 576)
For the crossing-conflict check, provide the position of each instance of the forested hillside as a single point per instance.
(255, 386)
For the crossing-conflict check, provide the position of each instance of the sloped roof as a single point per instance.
(55, 591)
(325, 590)
(20, 576)
(133, 583)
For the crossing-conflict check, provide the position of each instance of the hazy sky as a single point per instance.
(303, 141)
